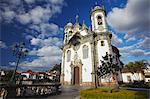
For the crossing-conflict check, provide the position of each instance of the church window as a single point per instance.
(99, 20)
(85, 51)
(70, 31)
(102, 43)
(68, 55)
(99, 17)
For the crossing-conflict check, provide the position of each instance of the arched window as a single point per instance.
(99, 20)
(68, 55)
(85, 50)
(102, 43)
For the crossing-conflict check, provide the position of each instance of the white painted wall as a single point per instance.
(26, 74)
(83, 32)
(101, 50)
(86, 67)
(67, 68)
(147, 79)
(94, 22)
(135, 76)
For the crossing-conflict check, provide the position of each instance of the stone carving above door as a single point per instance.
(76, 62)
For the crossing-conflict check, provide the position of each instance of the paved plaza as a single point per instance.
(72, 92)
(69, 92)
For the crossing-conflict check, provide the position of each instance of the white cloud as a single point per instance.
(2, 44)
(133, 20)
(40, 14)
(28, 37)
(24, 18)
(29, 1)
(51, 41)
(35, 15)
(8, 15)
(137, 52)
(46, 29)
(56, 1)
(35, 41)
(116, 40)
(12, 63)
(133, 50)
(49, 51)
(145, 43)
(14, 2)
(33, 11)
(47, 56)
(131, 39)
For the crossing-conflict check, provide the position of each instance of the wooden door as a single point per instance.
(76, 75)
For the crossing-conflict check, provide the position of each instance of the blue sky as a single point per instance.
(39, 23)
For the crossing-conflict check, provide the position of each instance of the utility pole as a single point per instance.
(19, 51)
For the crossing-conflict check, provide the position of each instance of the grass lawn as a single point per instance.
(103, 93)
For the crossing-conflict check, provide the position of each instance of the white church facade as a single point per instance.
(83, 50)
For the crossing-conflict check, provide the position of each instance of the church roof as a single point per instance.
(115, 50)
(69, 24)
(97, 8)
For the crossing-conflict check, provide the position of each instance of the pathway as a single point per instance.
(69, 92)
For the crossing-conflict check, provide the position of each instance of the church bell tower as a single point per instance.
(98, 19)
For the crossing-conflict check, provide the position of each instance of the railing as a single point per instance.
(27, 90)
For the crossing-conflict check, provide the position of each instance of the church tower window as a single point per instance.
(85, 51)
(68, 55)
(99, 20)
(102, 43)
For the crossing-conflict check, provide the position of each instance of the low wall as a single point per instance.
(12, 91)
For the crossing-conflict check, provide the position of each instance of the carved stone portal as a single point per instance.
(76, 72)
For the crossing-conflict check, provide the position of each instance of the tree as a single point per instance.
(29, 71)
(57, 67)
(137, 66)
(8, 75)
(109, 67)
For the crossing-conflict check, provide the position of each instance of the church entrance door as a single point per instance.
(76, 76)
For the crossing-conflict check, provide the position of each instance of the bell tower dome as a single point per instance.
(68, 32)
(98, 19)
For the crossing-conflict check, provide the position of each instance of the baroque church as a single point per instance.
(84, 48)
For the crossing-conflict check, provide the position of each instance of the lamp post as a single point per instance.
(19, 51)
(94, 53)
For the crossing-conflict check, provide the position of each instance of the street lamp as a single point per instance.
(94, 58)
(19, 51)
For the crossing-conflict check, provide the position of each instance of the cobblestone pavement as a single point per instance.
(69, 92)
(72, 92)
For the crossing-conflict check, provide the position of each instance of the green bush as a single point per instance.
(104, 93)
